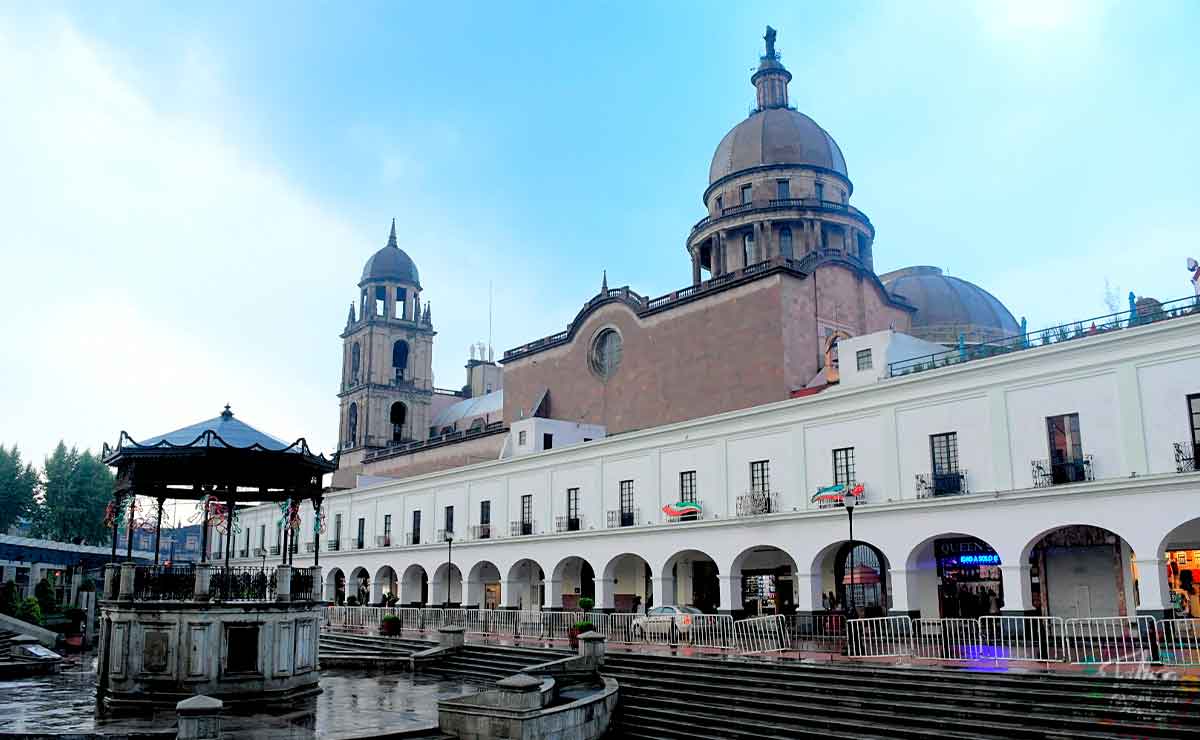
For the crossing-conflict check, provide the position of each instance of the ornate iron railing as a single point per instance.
(333, 545)
(941, 484)
(624, 518)
(164, 582)
(441, 534)
(520, 529)
(568, 523)
(275, 549)
(240, 583)
(481, 532)
(383, 540)
(758, 503)
(1185, 457)
(412, 538)
(1052, 335)
(302, 583)
(1046, 473)
(687, 517)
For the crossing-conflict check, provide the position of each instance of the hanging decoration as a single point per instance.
(289, 515)
(683, 508)
(837, 493)
(113, 512)
(319, 521)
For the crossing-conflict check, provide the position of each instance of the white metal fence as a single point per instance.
(1037, 639)
(1179, 641)
(762, 635)
(946, 639)
(879, 637)
(1116, 640)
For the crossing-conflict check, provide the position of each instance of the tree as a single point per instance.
(18, 483)
(77, 488)
(44, 593)
(30, 612)
(10, 600)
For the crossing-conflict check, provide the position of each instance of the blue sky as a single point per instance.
(191, 190)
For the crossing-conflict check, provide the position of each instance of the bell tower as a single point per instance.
(387, 358)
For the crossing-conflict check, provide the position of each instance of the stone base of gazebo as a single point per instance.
(157, 651)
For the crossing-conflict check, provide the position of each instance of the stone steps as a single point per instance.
(490, 663)
(664, 696)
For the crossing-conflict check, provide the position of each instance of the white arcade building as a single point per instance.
(1056, 477)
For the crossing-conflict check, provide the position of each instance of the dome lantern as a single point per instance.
(771, 78)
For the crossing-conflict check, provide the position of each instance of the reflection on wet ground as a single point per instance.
(353, 703)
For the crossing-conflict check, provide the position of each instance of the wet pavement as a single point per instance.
(352, 704)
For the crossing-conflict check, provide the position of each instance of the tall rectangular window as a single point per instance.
(547, 441)
(485, 512)
(720, 203)
(1063, 435)
(1194, 415)
(337, 531)
(783, 189)
(416, 528)
(262, 536)
(687, 486)
(361, 539)
(448, 519)
(747, 194)
(527, 513)
(626, 502)
(819, 190)
(748, 256)
(401, 303)
(944, 451)
(380, 300)
(760, 476)
(387, 525)
(573, 509)
(843, 466)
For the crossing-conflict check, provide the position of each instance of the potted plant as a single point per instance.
(390, 625)
(584, 624)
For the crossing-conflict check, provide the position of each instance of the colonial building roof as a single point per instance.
(948, 306)
(772, 137)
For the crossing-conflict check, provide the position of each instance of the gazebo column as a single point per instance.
(203, 531)
(284, 531)
(229, 535)
(116, 509)
(129, 529)
(158, 529)
(316, 501)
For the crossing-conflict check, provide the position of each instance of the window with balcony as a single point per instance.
(573, 519)
(748, 249)
(626, 504)
(1067, 463)
(336, 542)
(759, 499)
(448, 519)
(1187, 452)
(360, 540)
(485, 521)
(687, 486)
(843, 466)
(944, 477)
(414, 537)
(526, 514)
(783, 189)
(864, 360)
(747, 194)
(385, 540)
(819, 190)
(785, 241)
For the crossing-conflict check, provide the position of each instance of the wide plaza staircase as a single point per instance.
(338, 649)
(490, 663)
(668, 697)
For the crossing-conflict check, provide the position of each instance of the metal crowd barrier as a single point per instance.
(1117, 640)
(1038, 639)
(879, 637)
(762, 635)
(820, 633)
(1179, 641)
(945, 639)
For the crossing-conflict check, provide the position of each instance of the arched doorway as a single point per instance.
(359, 586)
(335, 586)
(1180, 551)
(954, 576)
(386, 587)
(447, 586)
(764, 581)
(573, 579)
(627, 584)
(526, 581)
(690, 578)
(483, 585)
(399, 418)
(1081, 571)
(853, 580)
(414, 586)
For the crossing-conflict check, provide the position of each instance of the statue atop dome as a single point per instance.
(769, 37)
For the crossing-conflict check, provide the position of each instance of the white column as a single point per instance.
(510, 596)
(805, 587)
(898, 590)
(731, 592)
(553, 593)
(1017, 587)
(1151, 584)
(663, 590)
(605, 589)
(1129, 414)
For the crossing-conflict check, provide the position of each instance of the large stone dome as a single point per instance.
(776, 136)
(392, 264)
(949, 306)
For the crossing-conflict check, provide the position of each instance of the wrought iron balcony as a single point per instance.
(481, 532)
(519, 529)
(930, 485)
(758, 503)
(360, 544)
(310, 546)
(412, 538)
(1046, 473)
(383, 540)
(568, 523)
(333, 545)
(690, 517)
(276, 549)
(243, 553)
(1185, 457)
(164, 582)
(259, 552)
(624, 518)
(441, 534)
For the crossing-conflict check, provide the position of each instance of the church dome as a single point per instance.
(776, 136)
(949, 306)
(391, 263)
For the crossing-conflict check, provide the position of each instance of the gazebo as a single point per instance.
(169, 631)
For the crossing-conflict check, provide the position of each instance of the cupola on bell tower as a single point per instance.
(387, 359)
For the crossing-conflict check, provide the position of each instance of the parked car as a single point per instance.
(665, 621)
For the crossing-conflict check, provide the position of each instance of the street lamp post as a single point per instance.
(848, 501)
(449, 563)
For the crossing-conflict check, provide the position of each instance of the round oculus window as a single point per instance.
(605, 356)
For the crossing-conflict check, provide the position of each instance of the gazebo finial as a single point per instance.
(226, 414)
(392, 237)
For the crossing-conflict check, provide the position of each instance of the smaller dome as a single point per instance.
(949, 306)
(391, 263)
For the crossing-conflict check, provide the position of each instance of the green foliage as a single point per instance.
(76, 491)
(352, 601)
(10, 602)
(587, 603)
(87, 584)
(584, 625)
(30, 612)
(18, 484)
(44, 593)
